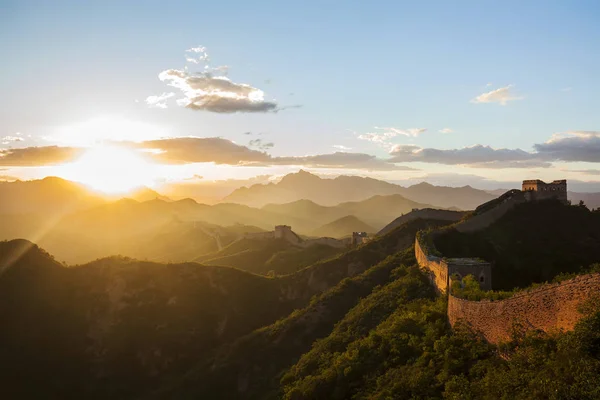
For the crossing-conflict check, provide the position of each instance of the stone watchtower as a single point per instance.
(359, 238)
(536, 190)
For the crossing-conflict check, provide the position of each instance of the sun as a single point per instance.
(111, 169)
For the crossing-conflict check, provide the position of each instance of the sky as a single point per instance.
(467, 92)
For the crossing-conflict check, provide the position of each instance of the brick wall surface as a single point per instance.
(550, 307)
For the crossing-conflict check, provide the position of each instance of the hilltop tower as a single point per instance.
(359, 238)
(536, 190)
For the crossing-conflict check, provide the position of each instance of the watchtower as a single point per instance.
(359, 238)
(536, 190)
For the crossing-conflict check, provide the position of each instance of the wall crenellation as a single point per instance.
(547, 308)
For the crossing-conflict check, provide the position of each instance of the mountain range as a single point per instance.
(329, 192)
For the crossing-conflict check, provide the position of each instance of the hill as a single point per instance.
(251, 366)
(384, 334)
(330, 192)
(112, 326)
(268, 257)
(343, 227)
(46, 196)
(158, 230)
(367, 324)
(533, 242)
(307, 210)
(591, 200)
(463, 198)
(376, 211)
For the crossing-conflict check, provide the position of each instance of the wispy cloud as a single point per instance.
(584, 171)
(9, 139)
(501, 96)
(446, 130)
(383, 135)
(187, 150)
(159, 101)
(341, 147)
(38, 156)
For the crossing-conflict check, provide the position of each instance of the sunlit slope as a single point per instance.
(274, 256)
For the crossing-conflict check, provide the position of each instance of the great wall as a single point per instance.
(285, 232)
(547, 308)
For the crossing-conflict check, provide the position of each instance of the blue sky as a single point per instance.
(350, 66)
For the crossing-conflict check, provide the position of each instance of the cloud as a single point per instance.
(341, 160)
(38, 156)
(571, 146)
(446, 130)
(159, 101)
(185, 150)
(211, 90)
(9, 139)
(260, 144)
(385, 134)
(585, 171)
(341, 147)
(200, 55)
(500, 96)
(474, 156)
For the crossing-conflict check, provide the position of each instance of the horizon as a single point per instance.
(173, 101)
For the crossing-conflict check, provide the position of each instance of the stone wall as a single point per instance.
(486, 218)
(259, 235)
(433, 266)
(550, 307)
(337, 243)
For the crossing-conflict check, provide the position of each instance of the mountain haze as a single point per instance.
(330, 192)
(343, 227)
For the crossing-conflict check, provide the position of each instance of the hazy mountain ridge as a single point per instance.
(329, 192)
(343, 227)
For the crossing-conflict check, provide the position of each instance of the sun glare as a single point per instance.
(111, 170)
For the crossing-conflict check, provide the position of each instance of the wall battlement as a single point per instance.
(547, 308)
(286, 233)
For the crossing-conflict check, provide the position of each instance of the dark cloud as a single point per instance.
(572, 146)
(341, 160)
(475, 156)
(260, 144)
(586, 171)
(38, 156)
(185, 150)
(223, 151)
